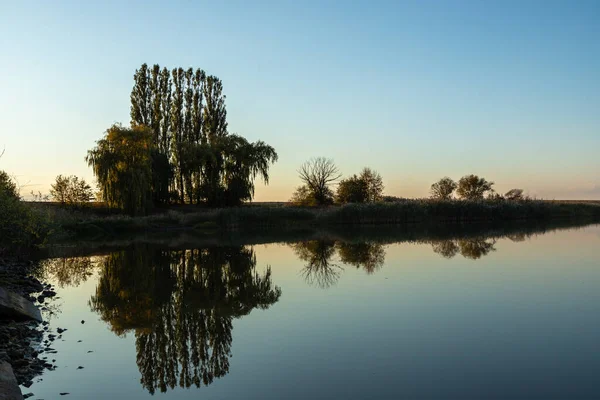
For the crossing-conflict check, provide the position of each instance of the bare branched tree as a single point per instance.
(318, 174)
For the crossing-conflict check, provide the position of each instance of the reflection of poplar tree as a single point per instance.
(183, 336)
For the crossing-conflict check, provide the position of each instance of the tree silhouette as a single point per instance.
(472, 187)
(318, 175)
(443, 189)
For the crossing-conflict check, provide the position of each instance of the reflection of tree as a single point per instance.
(518, 237)
(445, 248)
(475, 248)
(318, 269)
(70, 271)
(369, 256)
(469, 248)
(181, 305)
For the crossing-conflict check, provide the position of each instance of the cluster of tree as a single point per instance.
(471, 187)
(178, 147)
(473, 248)
(71, 190)
(320, 174)
(367, 187)
(322, 271)
(181, 305)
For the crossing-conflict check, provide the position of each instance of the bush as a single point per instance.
(352, 190)
(71, 190)
(21, 226)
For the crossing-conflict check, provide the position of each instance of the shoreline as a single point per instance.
(24, 343)
(89, 225)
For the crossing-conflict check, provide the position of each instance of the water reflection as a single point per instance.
(473, 248)
(181, 305)
(319, 269)
(366, 255)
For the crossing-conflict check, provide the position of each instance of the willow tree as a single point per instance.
(122, 164)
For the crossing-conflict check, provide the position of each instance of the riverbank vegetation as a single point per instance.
(22, 226)
(282, 218)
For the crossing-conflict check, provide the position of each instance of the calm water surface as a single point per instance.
(474, 318)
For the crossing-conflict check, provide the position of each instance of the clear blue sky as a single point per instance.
(416, 90)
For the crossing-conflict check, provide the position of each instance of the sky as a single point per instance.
(416, 90)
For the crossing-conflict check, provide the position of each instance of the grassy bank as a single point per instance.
(386, 234)
(87, 225)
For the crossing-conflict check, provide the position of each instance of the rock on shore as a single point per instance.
(9, 389)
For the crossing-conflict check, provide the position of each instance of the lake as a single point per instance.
(480, 313)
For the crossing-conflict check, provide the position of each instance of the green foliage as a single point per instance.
(443, 189)
(303, 197)
(194, 157)
(21, 227)
(7, 186)
(352, 190)
(365, 188)
(373, 183)
(122, 164)
(472, 187)
(71, 190)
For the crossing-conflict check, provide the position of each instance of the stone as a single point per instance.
(9, 389)
(17, 307)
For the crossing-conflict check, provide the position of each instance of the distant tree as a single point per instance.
(373, 183)
(71, 190)
(318, 175)
(472, 187)
(443, 189)
(352, 190)
(302, 196)
(514, 194)
(59, 189)
(122, 164)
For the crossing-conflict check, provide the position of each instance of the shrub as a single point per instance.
(71, 190)
(21, 226)
(352, 190)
